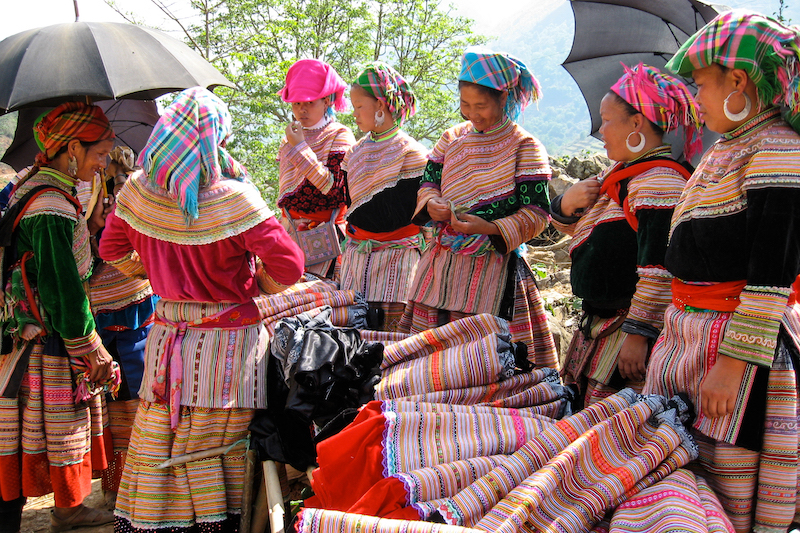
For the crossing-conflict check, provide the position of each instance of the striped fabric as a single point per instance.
(387, 85)
(48, 443)
(184, 152)
(307, 161)
(221, 368)
(380, 275)
(320, 521)
(373, 167)
(121, 415)
(71, 120)
(228, 209)
(201, 493)
(680, 502)
(111, 290)
(386, 338)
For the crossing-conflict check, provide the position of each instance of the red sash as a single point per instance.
(723, 297)
(612, 185)
(319, 216)
(396, 235)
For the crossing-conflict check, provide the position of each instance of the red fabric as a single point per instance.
(795, 291)
(723, 297)
(10, 477)
(72, 120)
(318, 216)
(222, 271)
(611, 183)
(396, 235)
(351, 462)
(69, 484)
(311, 79)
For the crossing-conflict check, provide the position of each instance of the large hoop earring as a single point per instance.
(741, 115)
(639, 147)
(72, 166)
(379, 118)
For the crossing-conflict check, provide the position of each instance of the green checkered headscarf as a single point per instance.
(764, 48)
(387, 85)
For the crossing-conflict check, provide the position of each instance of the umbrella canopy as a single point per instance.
(132, 120)
(99, 60)
(608, 32)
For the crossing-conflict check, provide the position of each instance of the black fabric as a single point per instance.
(11, 515)
(432, 174)
(760, 245)
(604, 266)
(388, 210)
(652, 235)
(315, 372)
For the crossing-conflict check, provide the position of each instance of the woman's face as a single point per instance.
(309, 113)
(616, 126)
(364, 108)
(480, 108)
(713, 86)
(93, 159)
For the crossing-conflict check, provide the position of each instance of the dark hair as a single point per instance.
(488, 91)
(631, 111)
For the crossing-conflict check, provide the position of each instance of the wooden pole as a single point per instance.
(77, 14)
(274, 497)
(203, 454)
(260, 510)
(247, 491)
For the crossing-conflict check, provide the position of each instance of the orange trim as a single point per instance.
(318, 216)
(396, 235)
(612, 179)
(723, 297)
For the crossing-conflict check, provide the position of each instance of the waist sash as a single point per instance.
(723, 297)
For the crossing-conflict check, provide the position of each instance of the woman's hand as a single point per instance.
(100, 361)
(438, 209)
(97, 220)
(632, 357)
(294, 133)
(720, 387)
(472, 225)
(582, 195)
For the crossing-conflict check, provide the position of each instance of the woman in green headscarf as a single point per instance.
(731, 335)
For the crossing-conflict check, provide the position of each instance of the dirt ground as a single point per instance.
(36, 514)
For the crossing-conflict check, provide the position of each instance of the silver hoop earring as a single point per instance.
(639, 147)
(741, 115)
(379, 118)
(72, 166)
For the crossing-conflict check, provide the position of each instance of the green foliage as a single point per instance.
(253, 43)
(780, 14)
(539, 270)
(8, 123)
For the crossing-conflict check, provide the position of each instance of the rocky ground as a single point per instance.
(549, 259)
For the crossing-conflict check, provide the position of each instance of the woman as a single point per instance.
(50, 443)
(730, 335)
(484, 191)
(311, 185)
(383, 174)
(124, 310)
(196, 223)
(619, 222)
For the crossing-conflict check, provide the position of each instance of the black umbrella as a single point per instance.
(132, 120)
(97, 60)
(608, 32)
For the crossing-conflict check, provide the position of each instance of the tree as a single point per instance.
(254, 42)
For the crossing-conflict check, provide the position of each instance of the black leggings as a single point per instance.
(11, 515)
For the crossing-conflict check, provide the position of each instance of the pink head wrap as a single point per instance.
(312, 79)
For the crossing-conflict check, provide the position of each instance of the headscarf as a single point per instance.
(184, 154)
(761, 46)
(72, 120)
(502, 72)
(311, 79)
(387, 85)
(664, 100)
(124, 157)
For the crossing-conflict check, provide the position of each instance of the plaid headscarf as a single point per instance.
(761, 46)
(311, 79)
(664, 100)
(387, 85)
(184, 154)
(72, 120)
(502, 72)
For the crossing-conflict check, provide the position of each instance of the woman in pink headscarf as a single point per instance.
(311, 184)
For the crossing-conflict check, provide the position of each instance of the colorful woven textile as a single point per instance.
(682, 501)
(503, 72)
(381, 275)
(121, 416)
(665, 101)
(110, 290)
(387, 85)
(320, 521)
(763, 47)
(184, 152)
(195, 496)
(71, 120)
(311, 79)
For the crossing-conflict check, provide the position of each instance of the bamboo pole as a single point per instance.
(274, 497)
(260, 510)
(247, 491)
(203, 454)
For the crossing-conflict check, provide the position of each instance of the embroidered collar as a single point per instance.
(753, 124)
(664, 150)
(384, 135)
(326, 119)
(497, 127)
(65, 181)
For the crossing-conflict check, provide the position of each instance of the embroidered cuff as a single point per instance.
(752, 332)
(130, 265)
(80, 346)
(266, 282)
(521, 227)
